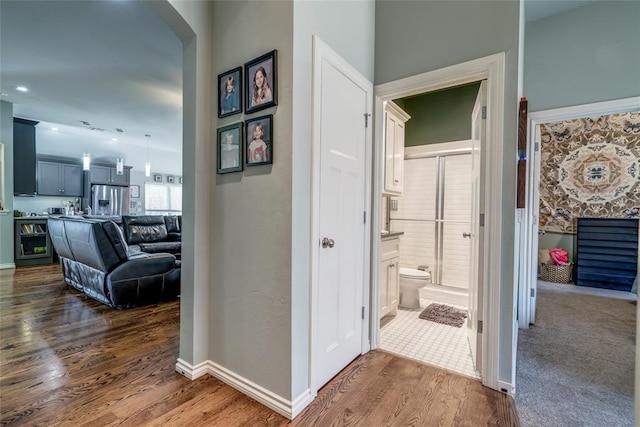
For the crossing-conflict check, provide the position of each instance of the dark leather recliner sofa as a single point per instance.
(96, 260)
(154, 233)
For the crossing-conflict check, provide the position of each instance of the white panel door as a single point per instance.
(477, 229)
(345, 98)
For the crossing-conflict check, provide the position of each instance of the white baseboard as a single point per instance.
(507, 388)
(190, 371)
(267, 398)
(7, 266)
(301, 402)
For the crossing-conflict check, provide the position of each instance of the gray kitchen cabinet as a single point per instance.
(59, 179)
(109, 176)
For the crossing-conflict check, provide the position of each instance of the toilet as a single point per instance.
(411, 281)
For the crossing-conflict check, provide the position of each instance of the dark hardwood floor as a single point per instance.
(68, 360)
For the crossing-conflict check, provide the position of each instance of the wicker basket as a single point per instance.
(555, 273)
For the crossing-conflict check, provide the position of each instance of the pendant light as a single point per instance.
(86, 162)
(147, 165)
(120, 166)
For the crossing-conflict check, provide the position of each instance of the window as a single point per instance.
(162, 199)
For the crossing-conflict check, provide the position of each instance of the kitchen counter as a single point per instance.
(395, 234)
(30, 218)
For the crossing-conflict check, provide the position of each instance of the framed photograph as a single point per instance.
(134, 191)
(180, 180)
(171, 179)
(229, 148)
(157, 178)
(261, 82)
(259, 141)
(230, 92)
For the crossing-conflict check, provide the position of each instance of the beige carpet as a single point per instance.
(576, 364)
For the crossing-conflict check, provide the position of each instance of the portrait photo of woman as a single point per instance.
(230, 92)
(261, 81)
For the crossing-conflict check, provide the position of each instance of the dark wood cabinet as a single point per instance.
(607, 253)
(59, 179)
(24, 157)
(32, 242)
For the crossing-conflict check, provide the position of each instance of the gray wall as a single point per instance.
(415, 37)
(6, 217)
(250, 211)
(557, 240)
(347, 27)
(588, 54)
(191, 22)
(441, 116)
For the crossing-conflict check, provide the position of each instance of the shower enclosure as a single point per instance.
(434, 213)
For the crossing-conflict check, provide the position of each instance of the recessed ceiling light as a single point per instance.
(114, 139)
(21, 89)
(54, 129)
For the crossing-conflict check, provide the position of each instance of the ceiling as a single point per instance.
(112, 64)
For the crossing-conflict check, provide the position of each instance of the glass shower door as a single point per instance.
(454, 221)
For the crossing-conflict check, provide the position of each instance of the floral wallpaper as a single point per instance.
(589, 168)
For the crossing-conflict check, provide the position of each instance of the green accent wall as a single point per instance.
(441, 116)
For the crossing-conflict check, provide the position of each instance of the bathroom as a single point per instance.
(430, 216)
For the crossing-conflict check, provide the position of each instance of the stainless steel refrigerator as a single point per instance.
(109, 200)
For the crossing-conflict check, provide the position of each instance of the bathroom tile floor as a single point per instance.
(432, 343)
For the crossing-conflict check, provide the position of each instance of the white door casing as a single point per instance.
(477, 229)
(342, 100)
(491, 68)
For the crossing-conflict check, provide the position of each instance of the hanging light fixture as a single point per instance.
(120, 166)
(147, 165)
(86, 162)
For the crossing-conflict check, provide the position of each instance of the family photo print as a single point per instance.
(258, 146)
(230, 148)
(230, 92)
(261, 82)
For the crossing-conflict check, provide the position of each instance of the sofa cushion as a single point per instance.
(116, 237)
(90, 244)
(157, 247)
(144, 228)
(172, 223)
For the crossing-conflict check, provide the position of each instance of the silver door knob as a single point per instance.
(466, 235)
(327, 243)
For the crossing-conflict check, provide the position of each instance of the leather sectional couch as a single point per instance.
(154, 233)
(97, 260)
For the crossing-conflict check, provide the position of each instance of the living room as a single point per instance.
(114, 97)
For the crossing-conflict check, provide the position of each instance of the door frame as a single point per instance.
(529, 238)
(321, 51)
(492, 69)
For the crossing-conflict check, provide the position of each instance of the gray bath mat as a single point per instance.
(444, 314)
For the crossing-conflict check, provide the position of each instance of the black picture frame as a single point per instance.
(256, 100)
(171, 179)
(258, 149)
(230, 148)
(157, 178)
(232, 104)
